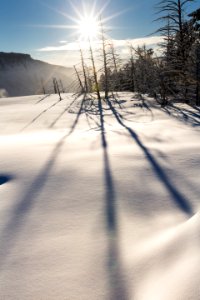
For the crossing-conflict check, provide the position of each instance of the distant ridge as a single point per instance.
(21, 75)
(9, 59)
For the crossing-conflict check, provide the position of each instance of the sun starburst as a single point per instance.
(88, 27)
(86, 22)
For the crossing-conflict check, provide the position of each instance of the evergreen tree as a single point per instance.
(177, 46)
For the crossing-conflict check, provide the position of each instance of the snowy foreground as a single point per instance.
(98, 206)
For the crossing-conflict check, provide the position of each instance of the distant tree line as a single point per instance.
(173, 75)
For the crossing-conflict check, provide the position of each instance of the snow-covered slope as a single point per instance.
(21, 75)
(98, 206)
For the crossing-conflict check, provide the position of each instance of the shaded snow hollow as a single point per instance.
(98, 203)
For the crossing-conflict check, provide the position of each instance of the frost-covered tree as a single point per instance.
(194, 58)
(177, 45)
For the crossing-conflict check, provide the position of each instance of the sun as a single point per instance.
(88, 28)
(88, 23)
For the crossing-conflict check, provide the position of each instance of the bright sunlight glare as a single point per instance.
(88, 28)
(87, 21)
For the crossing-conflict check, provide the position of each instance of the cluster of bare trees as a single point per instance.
(174, 74)
(98, 69)
(56, 87)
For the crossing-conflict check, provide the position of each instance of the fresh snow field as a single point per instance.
(99, 203)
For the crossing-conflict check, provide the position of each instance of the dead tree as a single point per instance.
(94, 70)
(116, 84)
(84, 71)
(43, 86)
(105, 62)
(62, 87)
(79, 79)
(56, 88)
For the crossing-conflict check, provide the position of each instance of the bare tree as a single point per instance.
(56, 88)
(105, 62)
(84, 70)
(94, 70)
(62, 87)
(43, 86)
(79, 79)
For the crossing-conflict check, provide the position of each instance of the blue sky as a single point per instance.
(24, 24)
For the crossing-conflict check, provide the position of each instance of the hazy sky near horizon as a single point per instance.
(33, 26)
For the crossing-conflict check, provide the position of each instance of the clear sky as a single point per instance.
(25, 24)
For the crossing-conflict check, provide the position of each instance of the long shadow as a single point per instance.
(142, 105)
(43, 98)
(193, 117)
(183, 115)
(196, 107)
(118, 289)
(179, 198)
(40, 114)
(20, 212)
(78, 116)
(90, 119)
(62, 113)
(191, 113)
(92, 108)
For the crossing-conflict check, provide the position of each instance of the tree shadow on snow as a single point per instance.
(184, 115)
(139, 103)
(20, 212)
(179, 199)
(43, 98)
(118, 289)
(40, 114)
(62, 113)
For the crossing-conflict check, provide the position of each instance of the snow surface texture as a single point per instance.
(98, 203)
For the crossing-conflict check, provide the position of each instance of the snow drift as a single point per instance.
(98, 202)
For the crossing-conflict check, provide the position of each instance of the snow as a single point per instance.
(98, 210)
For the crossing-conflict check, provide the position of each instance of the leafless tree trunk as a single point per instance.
(115, 77)
(61, 84)
(104, 59)
(43, 87)
(79, 79)
(84, 71)
(56, 88)
(94, 70)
